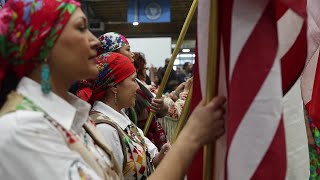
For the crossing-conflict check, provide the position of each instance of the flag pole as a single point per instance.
(173, 57)
(209, 150)
(184, 115)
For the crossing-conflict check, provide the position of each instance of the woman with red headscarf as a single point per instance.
(113, 90)
(115, 42)
(41, 125)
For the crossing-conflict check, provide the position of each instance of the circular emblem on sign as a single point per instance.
(153, 11)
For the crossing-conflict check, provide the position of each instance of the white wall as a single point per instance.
(156, 50)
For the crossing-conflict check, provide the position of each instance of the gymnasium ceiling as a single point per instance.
(113, 13)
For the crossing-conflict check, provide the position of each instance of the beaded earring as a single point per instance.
(45, 77)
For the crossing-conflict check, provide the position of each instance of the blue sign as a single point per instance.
(149, 11)
(2, 3)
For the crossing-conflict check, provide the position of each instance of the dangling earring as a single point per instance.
(45, 77)
(115, 99)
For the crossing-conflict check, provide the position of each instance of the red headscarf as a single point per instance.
(28, 30)
(113, 68)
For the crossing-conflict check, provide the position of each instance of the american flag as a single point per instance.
(310, 82)
(263, 48)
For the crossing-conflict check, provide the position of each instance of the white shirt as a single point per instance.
(111, 135)
(32, 148)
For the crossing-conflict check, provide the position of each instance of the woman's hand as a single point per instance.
(174, 95)
(206, 123)
(158, 107)
(188, 84)
(204, 126)
(159, 156)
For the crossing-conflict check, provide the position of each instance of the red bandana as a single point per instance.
(28, 30)
(113, 68)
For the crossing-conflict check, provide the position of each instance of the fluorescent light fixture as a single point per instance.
(135, 23)
(186, 55)
(185, 50)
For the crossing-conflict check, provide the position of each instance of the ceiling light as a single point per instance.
(185, 50)
(135, 23)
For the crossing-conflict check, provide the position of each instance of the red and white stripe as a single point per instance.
(255, 89)
(310, 81)
(258, 40)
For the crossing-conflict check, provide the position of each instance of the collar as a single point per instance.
(65, 113)
(120, 118)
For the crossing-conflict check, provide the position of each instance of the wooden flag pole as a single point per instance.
(173, 57)
(184, 115)
(209, 150)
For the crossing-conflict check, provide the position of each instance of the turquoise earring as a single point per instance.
(45, 77)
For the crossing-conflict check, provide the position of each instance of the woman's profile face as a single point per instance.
(144, 70)
(127, 91)
(75, 50)
(125, 50)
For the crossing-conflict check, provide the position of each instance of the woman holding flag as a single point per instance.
(113, 90)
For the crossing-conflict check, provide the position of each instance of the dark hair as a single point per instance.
(8, 84)
(139, 62)
(185, 65)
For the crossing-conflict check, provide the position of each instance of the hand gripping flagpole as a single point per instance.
(209, 150)
(184, 115)
(173, 57)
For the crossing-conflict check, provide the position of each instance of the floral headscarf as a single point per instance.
(111, 42)
(28, 30)
(113, 68)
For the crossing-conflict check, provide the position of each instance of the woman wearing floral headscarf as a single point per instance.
(115, 42)
(40, 123)
(113, 90)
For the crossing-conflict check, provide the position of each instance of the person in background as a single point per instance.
(175, 99)
(148, 80)
(186, 72)
(178, 71)
(140, 64)
(115, 42)
(41, 123)
(142, 68)
(153, 74)
(172, 76)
